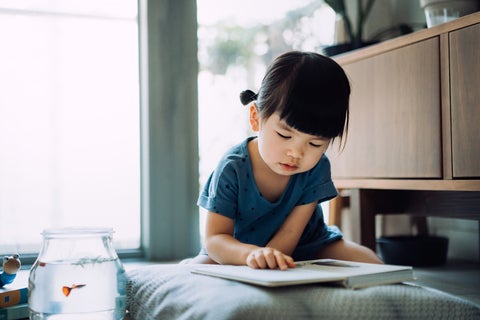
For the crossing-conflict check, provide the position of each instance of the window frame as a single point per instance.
(169, 124)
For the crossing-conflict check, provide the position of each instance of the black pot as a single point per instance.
(345, 47)
(413, 250)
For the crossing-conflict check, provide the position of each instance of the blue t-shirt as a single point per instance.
(232, 192)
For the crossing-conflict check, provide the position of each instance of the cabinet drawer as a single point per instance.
(465, 101)
(395, 116)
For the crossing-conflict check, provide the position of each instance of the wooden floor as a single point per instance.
(461, 279)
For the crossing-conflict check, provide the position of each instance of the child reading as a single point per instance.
(263, 199)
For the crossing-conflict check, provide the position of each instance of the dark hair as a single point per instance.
(310, 91)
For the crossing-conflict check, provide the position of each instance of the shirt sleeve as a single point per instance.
(220, 192)
(318, 183)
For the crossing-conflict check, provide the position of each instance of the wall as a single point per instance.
(463, 235)
(169, 68)
(386, 14)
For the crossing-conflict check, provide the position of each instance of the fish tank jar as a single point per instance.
(77, 276)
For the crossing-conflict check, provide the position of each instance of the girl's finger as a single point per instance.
(280, 261)
(260, 259)
(290, 261)
(251, 262)
(271, 259)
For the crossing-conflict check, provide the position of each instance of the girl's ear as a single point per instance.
(254, 118)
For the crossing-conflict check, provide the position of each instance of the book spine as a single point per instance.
(14, 313)
(14, 297)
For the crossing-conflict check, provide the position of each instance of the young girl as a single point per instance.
(263, 199)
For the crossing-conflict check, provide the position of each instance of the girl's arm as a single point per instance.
(223, 248)
(287, 237)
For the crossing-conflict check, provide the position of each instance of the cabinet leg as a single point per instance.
(335, 211)
(362, 215)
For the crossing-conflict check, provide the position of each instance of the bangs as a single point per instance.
(317, 102)
(315, 120)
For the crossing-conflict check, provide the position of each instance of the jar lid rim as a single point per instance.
(77, 231)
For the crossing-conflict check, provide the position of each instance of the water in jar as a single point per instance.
(86, 288)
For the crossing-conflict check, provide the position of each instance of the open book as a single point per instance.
(349, 274)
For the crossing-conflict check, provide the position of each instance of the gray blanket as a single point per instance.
(173, 292)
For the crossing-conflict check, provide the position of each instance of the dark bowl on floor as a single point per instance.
(413, 250)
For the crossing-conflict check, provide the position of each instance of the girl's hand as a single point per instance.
(269, 258)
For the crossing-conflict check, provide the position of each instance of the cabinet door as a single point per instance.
(395, 124)
(465, 101)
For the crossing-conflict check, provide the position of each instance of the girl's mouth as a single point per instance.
(289, 167)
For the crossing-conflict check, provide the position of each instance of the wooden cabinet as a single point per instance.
(415, 110)
(395, 110)
(414, 134)
(465, 101)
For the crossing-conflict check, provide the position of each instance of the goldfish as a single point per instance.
(66, 290)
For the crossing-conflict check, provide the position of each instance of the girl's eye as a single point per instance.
(283, 136)
(315, 145)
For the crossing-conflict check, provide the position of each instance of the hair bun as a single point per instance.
(247, 96)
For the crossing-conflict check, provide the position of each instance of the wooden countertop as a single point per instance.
(408, 39)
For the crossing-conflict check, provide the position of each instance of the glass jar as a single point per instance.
(77, 275)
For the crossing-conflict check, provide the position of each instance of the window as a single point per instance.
(69, 119)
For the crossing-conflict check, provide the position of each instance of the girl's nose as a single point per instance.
(295, 152)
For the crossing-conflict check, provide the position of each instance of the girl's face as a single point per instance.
(285, 150)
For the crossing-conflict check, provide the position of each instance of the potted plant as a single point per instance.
(355, 36)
